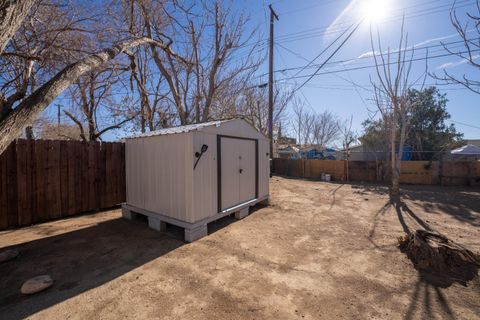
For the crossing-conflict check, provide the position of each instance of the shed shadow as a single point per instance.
(78, 261)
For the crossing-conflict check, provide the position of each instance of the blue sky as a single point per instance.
(306, 27)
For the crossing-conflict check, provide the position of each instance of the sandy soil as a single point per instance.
(320, 251)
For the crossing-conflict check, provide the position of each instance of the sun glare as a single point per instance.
(374, 10)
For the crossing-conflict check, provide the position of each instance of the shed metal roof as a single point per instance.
(181, 129)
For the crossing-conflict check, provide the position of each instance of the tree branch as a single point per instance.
(28, 110)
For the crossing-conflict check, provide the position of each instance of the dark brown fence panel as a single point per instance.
(367, 171)
(41, 180)
(8, 186)
(287, 167)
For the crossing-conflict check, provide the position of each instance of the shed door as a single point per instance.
(238, 176)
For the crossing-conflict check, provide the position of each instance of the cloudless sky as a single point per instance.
(306, 27)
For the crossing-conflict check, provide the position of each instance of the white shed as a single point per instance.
(194, 174)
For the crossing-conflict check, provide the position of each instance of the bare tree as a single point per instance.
(348, 137)
(325, 128)
(251, 103)
(149, 96)
(211, 36)
(314, 128)
(12, 14)
(26, 112)
(391, 99)
(469, 52)
(309, 121)
(47, 130)
(39, 48)
(298, 118)
(92, 95)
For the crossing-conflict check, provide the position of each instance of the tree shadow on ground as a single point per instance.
(78, 261)
(461, 203)
(430, 287)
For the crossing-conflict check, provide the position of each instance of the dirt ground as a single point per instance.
(320, 251)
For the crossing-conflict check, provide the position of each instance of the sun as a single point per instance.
(374, 11)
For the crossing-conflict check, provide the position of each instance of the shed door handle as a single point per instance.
(241, 170)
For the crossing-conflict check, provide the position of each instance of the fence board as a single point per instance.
(416, 172)
(43, 180)
(412, 172)
(315, 168)
(39, 181)
(72, 190)
(12, 186)
(3, 190)
(24, 181)
(64, 177)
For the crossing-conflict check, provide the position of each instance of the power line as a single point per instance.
(464, 124)
(296, 84)
(325, 50)
(413, 48)
(373, 66)
(330, 57)
(319, 31)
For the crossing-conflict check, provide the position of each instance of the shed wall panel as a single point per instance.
(134, 172)
(205, 176)
(165, 175)
(263, 167)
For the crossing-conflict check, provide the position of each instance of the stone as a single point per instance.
(37, 284)
(8, 255)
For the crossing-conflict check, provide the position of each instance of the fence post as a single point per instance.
(303, 168)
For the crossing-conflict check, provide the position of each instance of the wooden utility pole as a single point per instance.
(58, 115)
(273, 16)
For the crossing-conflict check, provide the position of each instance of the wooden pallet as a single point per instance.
(193, 231)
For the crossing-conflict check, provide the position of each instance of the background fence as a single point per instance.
(41, 180)
(454, 173)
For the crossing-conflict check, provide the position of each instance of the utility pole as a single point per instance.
(273, 16)
(58, 115)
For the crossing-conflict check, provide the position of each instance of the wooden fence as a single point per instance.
(412, 172)
(42, 180)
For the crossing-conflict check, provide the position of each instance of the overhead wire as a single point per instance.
(365, 57)
(321, 31)
(330, 56)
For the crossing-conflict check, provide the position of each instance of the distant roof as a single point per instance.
(469, 149)
(287, 148)
(475, 142)
(181, 129)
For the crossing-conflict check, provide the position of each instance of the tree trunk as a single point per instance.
(28, 110)
(12, 14)
(395, 178)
